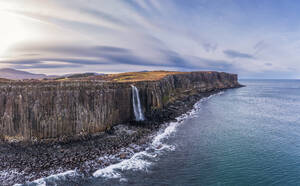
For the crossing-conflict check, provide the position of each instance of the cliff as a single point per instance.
(32, 110)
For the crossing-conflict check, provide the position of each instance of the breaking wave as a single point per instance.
(142, 160)
(53, 178)
(139, 161)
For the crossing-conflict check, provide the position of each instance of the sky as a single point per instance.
(253, 38)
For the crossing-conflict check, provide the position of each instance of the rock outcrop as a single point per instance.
(56, 109)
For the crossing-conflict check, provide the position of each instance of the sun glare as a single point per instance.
(12, 30)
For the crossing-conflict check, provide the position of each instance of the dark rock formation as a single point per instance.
(58, 109)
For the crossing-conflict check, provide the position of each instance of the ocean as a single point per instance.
(244, 136)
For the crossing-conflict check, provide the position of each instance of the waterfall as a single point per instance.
(139, 116)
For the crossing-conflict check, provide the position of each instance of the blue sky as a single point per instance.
(254, 38)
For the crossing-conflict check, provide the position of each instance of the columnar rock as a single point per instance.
(52, 109)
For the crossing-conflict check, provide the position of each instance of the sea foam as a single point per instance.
(52, 178)
(140, 160)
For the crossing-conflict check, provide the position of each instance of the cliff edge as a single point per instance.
(53, 109)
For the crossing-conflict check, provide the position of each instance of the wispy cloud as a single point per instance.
(237, 54)
(150, 34)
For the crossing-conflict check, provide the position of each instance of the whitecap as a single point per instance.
(165, 134)
(136, 162)
(52, 178)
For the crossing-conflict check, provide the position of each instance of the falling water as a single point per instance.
(137, 104)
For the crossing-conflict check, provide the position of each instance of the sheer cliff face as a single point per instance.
(41, 110)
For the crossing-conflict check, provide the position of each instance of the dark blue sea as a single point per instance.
(244, 136)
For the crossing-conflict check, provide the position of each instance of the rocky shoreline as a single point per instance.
(21, 162)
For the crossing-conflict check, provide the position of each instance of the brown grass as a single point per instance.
(5, 80)
(121, 77)
(135, 76)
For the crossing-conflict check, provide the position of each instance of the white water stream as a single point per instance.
(137, 109)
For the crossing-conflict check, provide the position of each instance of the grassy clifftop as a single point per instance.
(118, 78)
(5, 80)
(135, 76)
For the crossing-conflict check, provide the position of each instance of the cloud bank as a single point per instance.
(59, 36)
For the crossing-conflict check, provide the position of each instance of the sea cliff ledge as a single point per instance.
(55, 109)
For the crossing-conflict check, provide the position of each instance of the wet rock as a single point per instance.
(27, 169)
(159, 146)
(123, 156)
